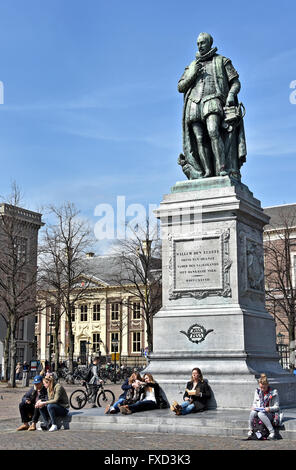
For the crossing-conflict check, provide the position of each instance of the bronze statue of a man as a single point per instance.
(213, 131)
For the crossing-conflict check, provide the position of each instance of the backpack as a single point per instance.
(260, 431)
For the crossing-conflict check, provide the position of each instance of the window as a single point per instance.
(73, 313)
(21, 249)
(96, 342)
(114, 311)
(114, 338)
(20, 332)
(136, 311)
(96, 312)
(52, 314)
(36, 318)
(83, 313)
(136, 343)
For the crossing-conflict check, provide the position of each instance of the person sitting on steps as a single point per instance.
(196, 395)
(27, 405)
(265, 405)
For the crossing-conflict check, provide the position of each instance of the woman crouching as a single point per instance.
(56, 405)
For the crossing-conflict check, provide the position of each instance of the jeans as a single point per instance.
(143, 405)
(266, 419)
(187, 407)
(116, 404)
(28, 412)
(51, 411)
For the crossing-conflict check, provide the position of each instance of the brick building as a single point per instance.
(280, 271)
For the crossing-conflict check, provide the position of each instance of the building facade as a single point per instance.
(280, 276)
(25, 234)
(107, 319)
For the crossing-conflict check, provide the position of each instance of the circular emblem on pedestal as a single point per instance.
(196, 333)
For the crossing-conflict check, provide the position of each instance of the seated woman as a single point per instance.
(150, 397)
(130, 393)
(196, 395)
(56, 405)
(265, 405)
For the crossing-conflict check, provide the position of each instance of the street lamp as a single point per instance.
(114, 343)
(280, 337)
(50, 324)
(87, 351)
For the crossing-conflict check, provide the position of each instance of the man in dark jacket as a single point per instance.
(27, 406)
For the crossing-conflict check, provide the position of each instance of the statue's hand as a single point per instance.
(230, 100)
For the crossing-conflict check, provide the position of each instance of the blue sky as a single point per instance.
(91, 109)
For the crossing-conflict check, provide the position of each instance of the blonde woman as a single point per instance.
(150, 397)
(56, 405)
(265, 405)
(196, 395)
(131, 389)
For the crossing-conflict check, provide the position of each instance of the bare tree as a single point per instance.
(18, 272)
(140, 272)
(280, 256)
(64, 245)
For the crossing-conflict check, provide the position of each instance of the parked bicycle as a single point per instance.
(79, 398)
(76, 377)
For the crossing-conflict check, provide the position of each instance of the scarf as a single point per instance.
(264, 397)
(207, 56)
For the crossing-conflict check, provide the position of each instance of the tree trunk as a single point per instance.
(56, 347)
(6, 354)
(292, 344)
(11, 381)
(71, 346)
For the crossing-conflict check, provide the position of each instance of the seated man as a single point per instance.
(27, 406)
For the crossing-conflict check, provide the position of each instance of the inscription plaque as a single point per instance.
(199, 266)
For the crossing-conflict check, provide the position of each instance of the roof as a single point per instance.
(280, 216)
(110, 268)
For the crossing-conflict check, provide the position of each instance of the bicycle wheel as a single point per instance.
(78, 399)
(106, 397)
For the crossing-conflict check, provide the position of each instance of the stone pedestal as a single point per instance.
(213, 315)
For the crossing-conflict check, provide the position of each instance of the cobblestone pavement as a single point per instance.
(108, 440)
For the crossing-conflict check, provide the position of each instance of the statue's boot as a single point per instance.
(219, 154)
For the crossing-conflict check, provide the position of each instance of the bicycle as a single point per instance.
(79, 398)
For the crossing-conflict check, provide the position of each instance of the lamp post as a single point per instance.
(115, 349)
(280, 337)
(50, 324)
(88, 343)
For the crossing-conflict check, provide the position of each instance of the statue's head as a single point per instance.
(204, 43)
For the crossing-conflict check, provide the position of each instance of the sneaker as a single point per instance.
(250, 433)
(271, 435)
(53, 428)
(41, 426)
